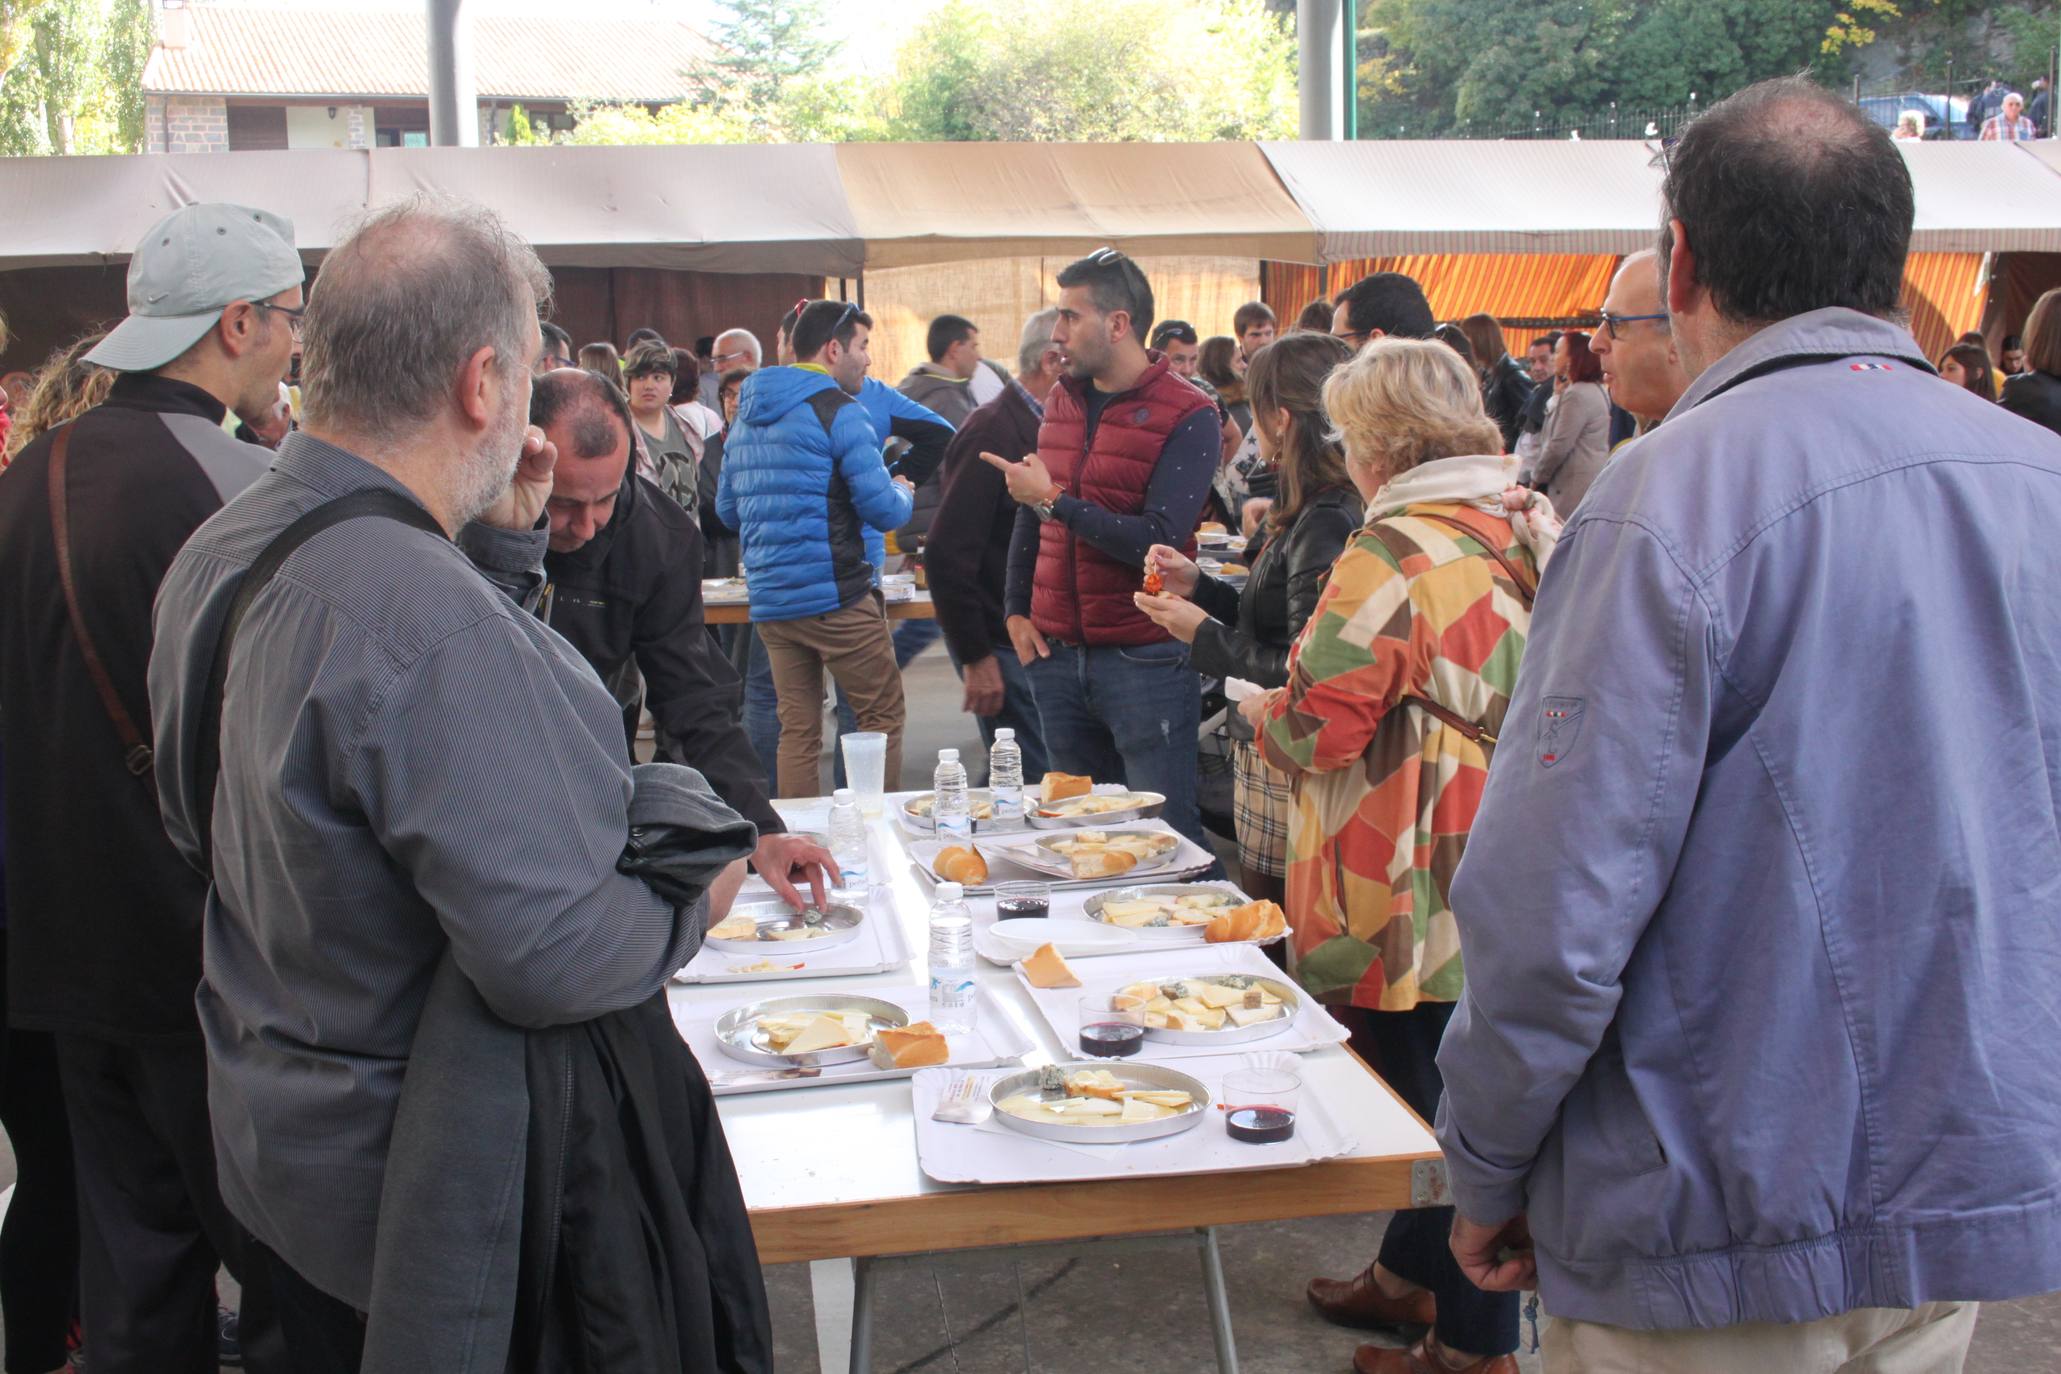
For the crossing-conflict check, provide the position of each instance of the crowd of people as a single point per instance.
(1653, 743)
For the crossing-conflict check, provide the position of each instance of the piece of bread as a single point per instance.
(961, 864)
(1260, 920)
(911, 1047)
(1060, 786)
(1045, 968)
(1102, 863)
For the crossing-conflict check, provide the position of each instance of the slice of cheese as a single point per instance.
(1137, 1109)
(1116, 911)
(1243, 1016)
(1217, 995)
(1093, 1106)
(736, 928)
(823, 1033)
(1167, 1098)
(1046, 969)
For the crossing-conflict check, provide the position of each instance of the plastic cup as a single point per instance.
(1107, 1033)
(865, 769)
(1015, 901)
(1260, 1104)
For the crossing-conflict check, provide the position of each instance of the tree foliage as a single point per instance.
(75, 82)
(1483, 66)
(762, 46)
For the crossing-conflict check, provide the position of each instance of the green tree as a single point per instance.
(761, 47)
(76, 84)
(1116, 70)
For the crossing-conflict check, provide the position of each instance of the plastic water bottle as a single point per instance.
(951, 962)
(949, 808)
(848, 841)
(1005, 775)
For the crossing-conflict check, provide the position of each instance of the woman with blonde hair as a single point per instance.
(1245, 634)
(67, 386)
(1397, 690)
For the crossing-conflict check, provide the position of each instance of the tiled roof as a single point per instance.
(240, 51)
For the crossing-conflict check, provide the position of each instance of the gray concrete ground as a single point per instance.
(1143, 1312)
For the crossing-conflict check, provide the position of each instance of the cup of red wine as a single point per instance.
(1016, 901)
(1107, 1033)
(1259, 1104)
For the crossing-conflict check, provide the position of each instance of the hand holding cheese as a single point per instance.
(1047, 969)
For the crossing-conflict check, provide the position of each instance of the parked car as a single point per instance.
(1945, 117)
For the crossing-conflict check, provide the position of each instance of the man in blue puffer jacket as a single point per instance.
(802, 483)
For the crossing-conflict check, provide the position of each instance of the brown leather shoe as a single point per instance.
(1425, 1357)
(1357, 1302)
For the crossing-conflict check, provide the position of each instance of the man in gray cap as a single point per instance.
(104, 917)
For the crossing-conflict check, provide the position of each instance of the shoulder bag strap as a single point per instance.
(207, 766)
(1526, 590)
(136, 755)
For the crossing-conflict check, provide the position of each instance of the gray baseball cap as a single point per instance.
(190, 266)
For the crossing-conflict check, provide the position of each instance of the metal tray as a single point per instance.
(1291, 1007)
(1042, 856)
(839, 919)
(737, 1030)
(1149, 804)
(923, 821)
(1173, 934)
(1132, 1074)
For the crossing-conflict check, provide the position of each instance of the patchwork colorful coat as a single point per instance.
(1385, 791)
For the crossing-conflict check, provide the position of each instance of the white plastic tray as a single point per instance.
(1061, 1007)
(996, 1041)
(1070, 904)
(1189, 858)
(991, 1153)
(878, 948)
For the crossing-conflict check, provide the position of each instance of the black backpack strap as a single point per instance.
(378, 502)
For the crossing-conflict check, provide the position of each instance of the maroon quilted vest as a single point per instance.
(1081, 594)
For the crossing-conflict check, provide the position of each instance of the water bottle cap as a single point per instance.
(950, 892)
(842, 794)
(1004, 733)
(948, 756)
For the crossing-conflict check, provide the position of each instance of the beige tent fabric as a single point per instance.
(999, 294)
(917, 203)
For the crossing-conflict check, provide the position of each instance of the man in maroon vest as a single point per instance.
(1125, 456)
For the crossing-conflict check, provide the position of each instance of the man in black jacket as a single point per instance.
(968, 556)
(104, 917)
(625, 566)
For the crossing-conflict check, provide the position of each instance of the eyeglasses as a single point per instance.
(293, 316)
(1356, 337)
(1611, 322)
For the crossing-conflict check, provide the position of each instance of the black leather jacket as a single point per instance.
(2036, 396)
(1505, 393)
(1249, 634)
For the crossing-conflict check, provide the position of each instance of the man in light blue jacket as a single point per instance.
(1755, 1066)
(802, 482)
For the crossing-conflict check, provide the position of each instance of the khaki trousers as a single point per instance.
(854, 644)
(1932, 1339)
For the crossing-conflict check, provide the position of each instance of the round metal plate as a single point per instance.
(1131, 1074)
(1191, 935)
(1148, 804)
(738, 1033)
(1042, 856)
(1291, 1006)
(840, 926)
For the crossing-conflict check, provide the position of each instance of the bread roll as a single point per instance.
(1060, 786)
(1260, 920)
(961, 864)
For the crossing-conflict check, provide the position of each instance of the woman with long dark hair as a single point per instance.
(1967, 365)
(1576, 442)
(1246, 634)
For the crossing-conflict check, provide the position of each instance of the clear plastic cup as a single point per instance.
(1015, 901)
(1107, 1033)
(1260, 1104)
(865, 768)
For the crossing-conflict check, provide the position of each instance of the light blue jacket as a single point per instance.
(1761, 912)
(802, 485)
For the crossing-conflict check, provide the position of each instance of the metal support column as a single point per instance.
(1318, 34)
(453, 95)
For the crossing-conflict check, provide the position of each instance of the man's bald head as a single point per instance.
(587, 417)
(1789, 200)
(1640, 367)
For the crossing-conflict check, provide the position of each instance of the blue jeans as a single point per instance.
(762, 718)
(1126, 714)
(912, 637)
(1019, 713)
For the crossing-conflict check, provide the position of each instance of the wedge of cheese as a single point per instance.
(1217, 995)
(910, 1047)
(1137, 1109)
(1046, 969)
(823, 1033)
(1159, 1098)
(1252, 1016)
(736, 928)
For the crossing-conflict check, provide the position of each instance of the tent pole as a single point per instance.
(1317, 47)
(453, 95)
(1349, 79)
(862, 288)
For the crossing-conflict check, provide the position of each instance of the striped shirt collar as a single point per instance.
(334, 471)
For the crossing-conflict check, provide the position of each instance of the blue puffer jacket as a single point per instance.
(802, 482)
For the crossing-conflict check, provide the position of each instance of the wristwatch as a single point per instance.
(1047, 510)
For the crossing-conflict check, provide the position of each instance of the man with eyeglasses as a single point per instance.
(1641, 370)
(1126, 451)
(104, 916)
(1380, 305)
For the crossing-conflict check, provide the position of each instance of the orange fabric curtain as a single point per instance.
(1945, 294)
(1517, 288)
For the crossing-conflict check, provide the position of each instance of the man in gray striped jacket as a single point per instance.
(410, 762)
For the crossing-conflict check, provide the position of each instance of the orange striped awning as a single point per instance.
(1945, 294)
(1529, 289)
